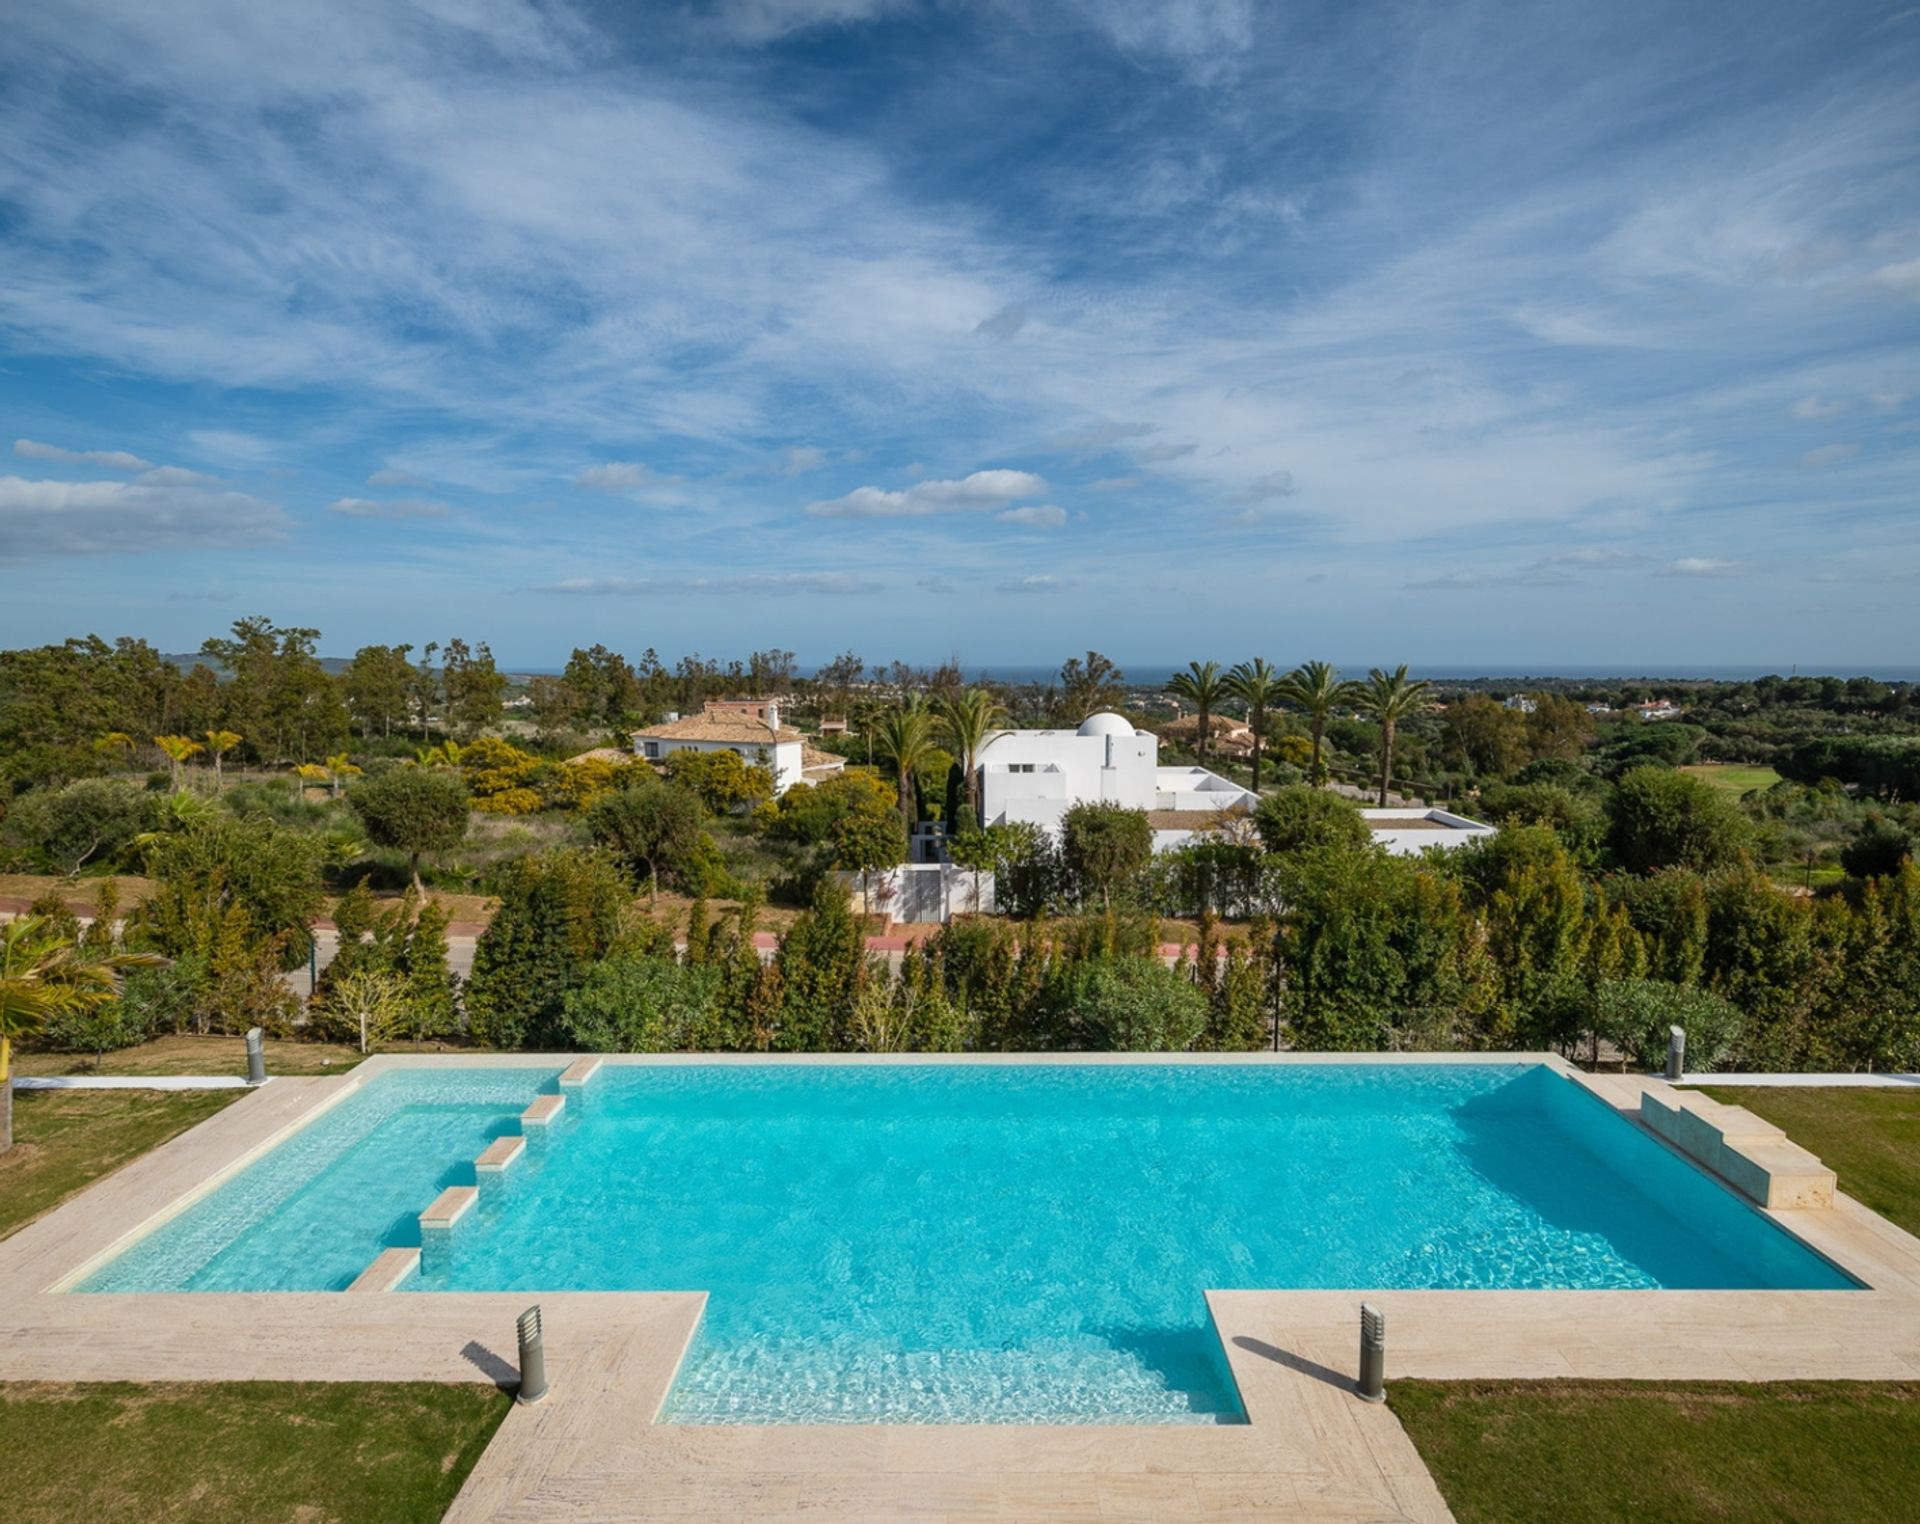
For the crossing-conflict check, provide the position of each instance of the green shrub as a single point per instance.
(1637, 1016)
(630, 1003)
(1661, 819)
(1297, 818)
(559, 913)
(1125, 1005)
(106, 1029)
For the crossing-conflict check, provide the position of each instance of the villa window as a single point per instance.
(653, 751)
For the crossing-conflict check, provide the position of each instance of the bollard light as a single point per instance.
(1372, 1386)
(533, 1357)
(256, 1057)
(1676, 1053)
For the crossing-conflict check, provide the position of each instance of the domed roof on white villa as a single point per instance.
(1105, 723)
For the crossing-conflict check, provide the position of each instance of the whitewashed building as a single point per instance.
(1036, 776)
(1410, 830)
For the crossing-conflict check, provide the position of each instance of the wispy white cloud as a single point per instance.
(1034, 516)
(772, 584)
(636, 480)
(41, 519)
(1811, 409)
(390, 476)
(798, 460)
(113, 460)
(388, 508)
(981, 489)
(1265, 488)
(757, 21)
(233, 446)
(1039, 582)
(1830, 455)
(1700, 566)
(1903, 277)
(175, 476)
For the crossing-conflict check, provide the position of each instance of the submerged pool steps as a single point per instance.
(449, 1207)
(389, 1271)
(392, 1267)
(543, 1111)
(500, 1153)
(579, 1072)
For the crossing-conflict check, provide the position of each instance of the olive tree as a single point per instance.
(412, 810)
(648, 825)
(70, 827)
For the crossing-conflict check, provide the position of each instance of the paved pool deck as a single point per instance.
(593, 1450)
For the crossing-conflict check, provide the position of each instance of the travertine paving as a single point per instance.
(594, 1451)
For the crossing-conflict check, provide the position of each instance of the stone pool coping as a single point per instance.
(595, 1449)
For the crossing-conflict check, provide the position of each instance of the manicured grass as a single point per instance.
(1733, 777)
(1515, 1452)
(1870, 1138)
(383, 1453)
(197, 1055)
(64, 1140)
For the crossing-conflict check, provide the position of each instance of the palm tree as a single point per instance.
(44, 975)
(178, 749)
(220, 742)
(1315, 686)
(115, 743)
(341, 765)
(1201, 686)
(905, 736)
(1257, 685)
(1389, 698)
(970, 719)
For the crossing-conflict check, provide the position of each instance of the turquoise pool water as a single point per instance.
(978, 1243)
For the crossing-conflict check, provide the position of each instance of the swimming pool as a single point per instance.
(977, 1242)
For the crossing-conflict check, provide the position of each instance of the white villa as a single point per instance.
(750, 727)
(1411, 829)
(1038, 775)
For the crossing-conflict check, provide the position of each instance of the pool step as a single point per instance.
(500, 1153)
(580, 1071)
(449, 1207)
(1746, 1151)
(542, 1112)
(388, 1271)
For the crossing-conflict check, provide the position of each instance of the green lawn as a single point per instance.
(64, 1140)
(317, 1451)
(1733, 777)
(199, 1055)
(1517, 1452)
(1870, 1138)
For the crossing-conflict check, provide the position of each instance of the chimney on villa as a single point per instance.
(773, 715)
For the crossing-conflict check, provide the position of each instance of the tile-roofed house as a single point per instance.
(817, 766)
(750, 727)
(1227, 734)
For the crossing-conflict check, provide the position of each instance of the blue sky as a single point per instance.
(1515, 333)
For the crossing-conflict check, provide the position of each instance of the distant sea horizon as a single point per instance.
(1151, 675)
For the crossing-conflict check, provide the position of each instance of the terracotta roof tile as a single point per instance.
(737, 728)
